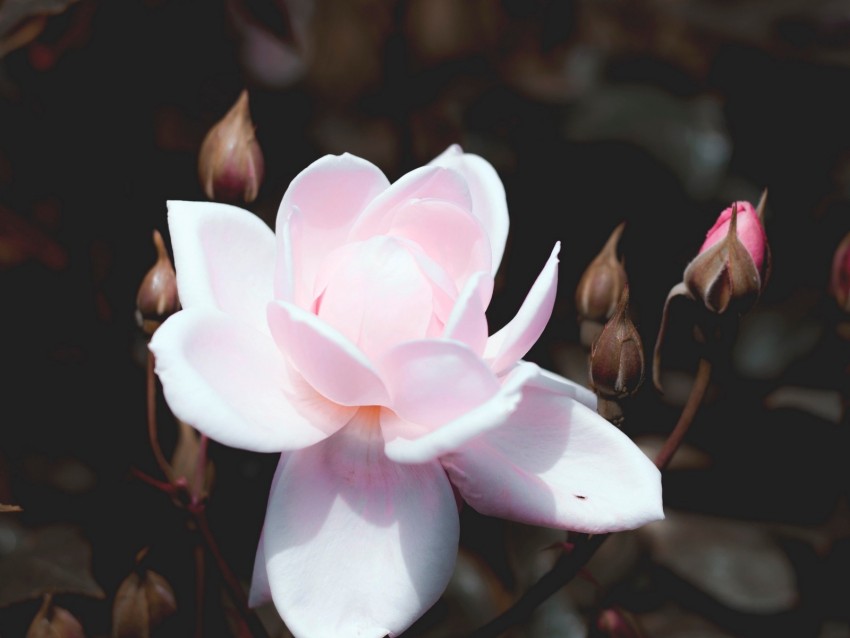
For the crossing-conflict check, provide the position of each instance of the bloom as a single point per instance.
(354, 341)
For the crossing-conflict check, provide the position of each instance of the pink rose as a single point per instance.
(355, 342)
(750, 232)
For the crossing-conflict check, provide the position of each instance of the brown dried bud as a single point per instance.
(602, 282)
(157, 297)
(616, 359)
(839, 282)
(727, 271)
(54, 622)
(143, 601)
(230, 163)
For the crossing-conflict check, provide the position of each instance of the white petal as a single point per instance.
(489, 204)
(326, 359)
(411, 441)
(357, 545)
(468, 322)
(556, 463)
(327, 197)
(231, 383)
(516, 338)
(426, 182)
(224, 257)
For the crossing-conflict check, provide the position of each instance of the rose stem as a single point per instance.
(200, 470)
(688, 413)
(235, 590)
(199, 590)
(570, 563)
(152, 427)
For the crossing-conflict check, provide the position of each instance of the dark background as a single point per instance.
(660, 113)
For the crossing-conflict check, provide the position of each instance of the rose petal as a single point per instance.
(432, 382)
(516, 338)
(555, 463)
(426, 182)
(489, 203)
(468, 323)
(330, 195)
(412, 441)
(224, 257)
(560, 385)
(326, 359)
(375, 294)
(448, 234)
(231, 383)
(284, 272)
(357, 545)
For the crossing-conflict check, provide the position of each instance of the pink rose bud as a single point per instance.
(839, 284)
(600, 286)
(750, 232)
(54, 622)
(617, 623)
(157, 297)
(729, 271)
(230, 163)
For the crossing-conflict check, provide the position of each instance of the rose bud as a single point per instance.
(616, 360)
(729, 270)
(143, 601)
(157, 297)
(230, 163)
(54, 622)
(600, 286)
(839, 284)
(616, 623)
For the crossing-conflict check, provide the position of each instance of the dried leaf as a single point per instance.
(50, 560)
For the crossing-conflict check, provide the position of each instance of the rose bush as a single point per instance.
(354, 341)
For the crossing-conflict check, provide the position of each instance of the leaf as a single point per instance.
(736, 563)
(50, 560)
(10, 508)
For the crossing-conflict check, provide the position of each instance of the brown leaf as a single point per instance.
(10, 508)
(50, 560)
